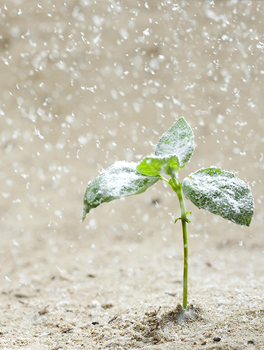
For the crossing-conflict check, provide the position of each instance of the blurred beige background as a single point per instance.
(85, 83)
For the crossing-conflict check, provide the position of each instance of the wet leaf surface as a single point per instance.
(177, 140)
(119, 180)
(222, 193)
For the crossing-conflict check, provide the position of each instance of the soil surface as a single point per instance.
(83, 84)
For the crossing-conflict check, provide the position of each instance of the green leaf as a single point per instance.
(177, 140)
(119, 180)
(222, 193)
(155, 165)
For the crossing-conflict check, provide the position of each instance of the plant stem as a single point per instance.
(178, 189)
(185, 250)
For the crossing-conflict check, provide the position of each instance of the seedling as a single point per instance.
(220, 192)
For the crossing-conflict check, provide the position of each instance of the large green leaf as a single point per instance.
(221, 193)
(119, 180)
(155, 165)
(177, 140)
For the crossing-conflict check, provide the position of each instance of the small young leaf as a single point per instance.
(119, 180)
(177, 140)
(221, 193)
(155, 165)
(186, 220)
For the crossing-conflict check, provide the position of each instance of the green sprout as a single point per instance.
(220, 192)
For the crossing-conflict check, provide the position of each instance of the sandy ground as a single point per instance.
(84, 84)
